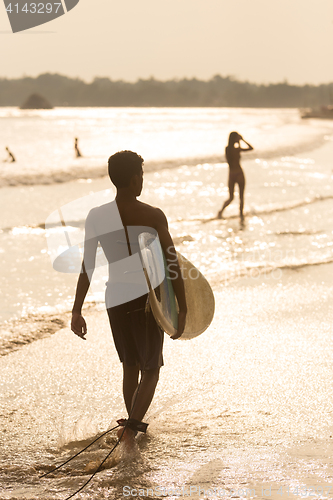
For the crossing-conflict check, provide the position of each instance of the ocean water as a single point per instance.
(244, 410)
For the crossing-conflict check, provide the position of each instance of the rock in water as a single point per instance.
(36, 101)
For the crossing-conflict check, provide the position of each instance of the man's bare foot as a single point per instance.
(219, 215)
(128, 440)
(127, 436)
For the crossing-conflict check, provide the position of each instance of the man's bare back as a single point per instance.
(137, 213)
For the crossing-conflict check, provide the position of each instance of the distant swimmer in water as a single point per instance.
(236, 174)
(76, 147)
(10, 158)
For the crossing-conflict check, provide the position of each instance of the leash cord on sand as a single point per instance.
(147, 311)
(111, 451)
(98, 469)
(79, 453)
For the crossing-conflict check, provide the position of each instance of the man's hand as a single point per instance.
(181, 325)
(78, 325)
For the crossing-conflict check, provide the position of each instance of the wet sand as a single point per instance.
(248, 404)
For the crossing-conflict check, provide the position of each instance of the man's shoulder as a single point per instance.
(105, 217)
(152, 212)
(150, 208)
(106, 207)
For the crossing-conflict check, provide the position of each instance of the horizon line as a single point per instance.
(174, 79)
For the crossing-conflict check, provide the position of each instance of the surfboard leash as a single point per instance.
(79, 453)
(130, 423)
(98, 469)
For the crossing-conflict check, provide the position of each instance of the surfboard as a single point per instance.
(162, 299)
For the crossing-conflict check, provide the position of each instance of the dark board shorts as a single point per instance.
(137, 336)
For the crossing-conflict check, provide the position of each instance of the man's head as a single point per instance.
(123, 167)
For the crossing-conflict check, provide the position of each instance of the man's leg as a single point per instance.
(130, 384)
(137, 396)
(144, 394)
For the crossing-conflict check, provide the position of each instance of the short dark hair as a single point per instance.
(123, 166)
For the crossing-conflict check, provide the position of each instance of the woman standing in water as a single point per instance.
(236, 174)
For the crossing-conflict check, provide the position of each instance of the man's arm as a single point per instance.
(78, 324)
(174, 269)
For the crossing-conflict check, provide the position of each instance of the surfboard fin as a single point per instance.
(133, 424)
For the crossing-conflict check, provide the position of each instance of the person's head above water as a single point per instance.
(123, 166)
(233, 138)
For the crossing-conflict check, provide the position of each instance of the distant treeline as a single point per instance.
(219, 91)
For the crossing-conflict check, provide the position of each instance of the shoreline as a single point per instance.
(97, 173)
(23, 331)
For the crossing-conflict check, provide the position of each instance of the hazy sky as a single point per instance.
(257, 40)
